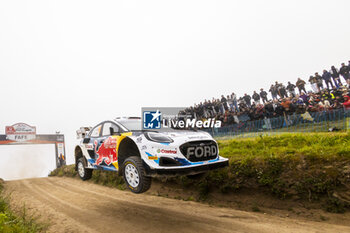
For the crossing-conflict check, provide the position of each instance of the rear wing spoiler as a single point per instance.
(81, 133)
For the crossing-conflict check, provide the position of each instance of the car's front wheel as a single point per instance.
(134, 175)
(84, 173)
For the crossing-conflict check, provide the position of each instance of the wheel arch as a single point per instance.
(127, 148)
(78, 153)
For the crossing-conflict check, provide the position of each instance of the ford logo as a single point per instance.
(201, 151)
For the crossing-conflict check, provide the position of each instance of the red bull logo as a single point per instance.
(107, 151)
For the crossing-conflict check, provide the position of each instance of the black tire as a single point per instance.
(83, 172)
(134, 175)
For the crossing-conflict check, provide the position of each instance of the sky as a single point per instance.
(66, 64)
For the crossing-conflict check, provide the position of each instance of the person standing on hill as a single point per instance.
(319, 81)
(313, 82)
(283, 91)
(273, 92)
(291, 89)
(229, 102)
(326, 76)
(223, 105)
(280, 89)
(301, 85)
(335, 75)
(263, 95)
(344, 71)
(247, 100)
(235, 103)
(256, 97)
(277, 89)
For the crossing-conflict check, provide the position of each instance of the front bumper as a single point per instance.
(186, 170)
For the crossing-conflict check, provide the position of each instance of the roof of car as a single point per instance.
(127, 118)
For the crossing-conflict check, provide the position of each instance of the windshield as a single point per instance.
(132, 125)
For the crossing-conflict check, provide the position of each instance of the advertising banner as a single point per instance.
(20, 132)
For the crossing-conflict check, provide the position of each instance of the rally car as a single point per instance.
(121, 145)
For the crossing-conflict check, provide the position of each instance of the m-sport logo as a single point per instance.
(152, 119)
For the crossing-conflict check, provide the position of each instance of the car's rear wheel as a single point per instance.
(134, 175)
(83, 172)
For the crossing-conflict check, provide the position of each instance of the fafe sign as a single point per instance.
(20, 132)
(24, 134)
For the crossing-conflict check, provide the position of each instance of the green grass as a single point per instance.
(311, 166)
(311, 145)
(19, 222)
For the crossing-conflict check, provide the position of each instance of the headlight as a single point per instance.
(158, 137)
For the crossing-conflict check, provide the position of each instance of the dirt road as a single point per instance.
(71, 205)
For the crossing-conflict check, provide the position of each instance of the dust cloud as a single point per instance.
(26, 161)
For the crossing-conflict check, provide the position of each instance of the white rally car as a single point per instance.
(120, 145)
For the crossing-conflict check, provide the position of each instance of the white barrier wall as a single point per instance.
(26, 161)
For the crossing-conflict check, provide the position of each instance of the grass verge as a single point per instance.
(21, 222)
(313, 167)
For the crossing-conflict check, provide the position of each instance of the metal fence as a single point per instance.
(325, 121)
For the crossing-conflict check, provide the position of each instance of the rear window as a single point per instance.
(132, 125)
(96, 131)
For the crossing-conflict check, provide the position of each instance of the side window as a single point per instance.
(109, 128)
(96, 131)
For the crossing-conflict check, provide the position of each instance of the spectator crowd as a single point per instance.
(330, 90)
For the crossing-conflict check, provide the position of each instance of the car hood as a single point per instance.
(188, 133)
(180, 134)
